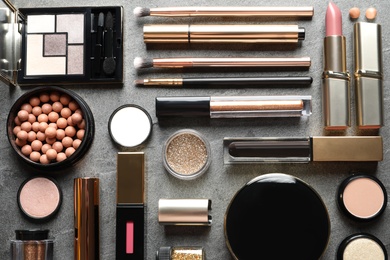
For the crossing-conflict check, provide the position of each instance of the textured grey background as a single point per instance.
(221, 181)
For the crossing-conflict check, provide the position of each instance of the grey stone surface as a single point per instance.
(221, 181)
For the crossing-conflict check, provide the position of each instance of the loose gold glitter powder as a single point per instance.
(187, 254)
(186, 154)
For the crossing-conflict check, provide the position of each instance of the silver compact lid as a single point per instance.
(189, 212)
(10, 41)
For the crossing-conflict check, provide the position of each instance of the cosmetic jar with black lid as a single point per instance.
(186, 154)
(88, 125)
(32, 244)
(361, 246)
(362, 197)
(276, 216)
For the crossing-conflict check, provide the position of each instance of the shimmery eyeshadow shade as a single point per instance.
(73, 24)
(362, 197)
(75, 59)
(186, 154)
(39, 198)
(54, 44)
(361, 246)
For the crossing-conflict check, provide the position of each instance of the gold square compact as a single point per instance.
(61, 45)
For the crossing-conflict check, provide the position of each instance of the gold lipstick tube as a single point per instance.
(231, 62)
(336, 90)
(235, 11)
(183, 33)
(368, 75)
(86, 219)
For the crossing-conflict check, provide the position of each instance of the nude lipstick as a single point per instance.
(336, 78)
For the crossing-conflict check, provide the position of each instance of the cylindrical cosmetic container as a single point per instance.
(186, 154)
(362, 197)
(86, 218)
(361, 246)
(181, 253)
(32, 245)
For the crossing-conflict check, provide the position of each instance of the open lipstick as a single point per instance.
(336, 78)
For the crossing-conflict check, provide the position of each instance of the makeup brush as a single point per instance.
(289, 11)
(98, 46)
(226, 82)
(140, 63)
(109, 63)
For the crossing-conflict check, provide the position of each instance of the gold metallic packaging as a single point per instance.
(368, 75)
(250, 33)
(188, 212)
(86, 218)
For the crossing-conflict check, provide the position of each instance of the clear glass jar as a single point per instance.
(181, 253)
(32, 245)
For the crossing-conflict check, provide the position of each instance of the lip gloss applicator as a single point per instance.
(336, 78)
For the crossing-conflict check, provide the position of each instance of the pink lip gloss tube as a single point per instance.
(130, 211)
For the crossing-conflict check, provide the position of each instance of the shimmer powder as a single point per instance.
(39, 198)
(186, 154)
(362, 197)
(361, 246)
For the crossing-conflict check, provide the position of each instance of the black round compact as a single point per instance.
(277, 216)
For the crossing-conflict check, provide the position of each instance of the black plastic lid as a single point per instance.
(182, 106)
(164, 253)
(277, 216)
(32, 234)
(301, 33)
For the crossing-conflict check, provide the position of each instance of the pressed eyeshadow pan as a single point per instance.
(39, 198)
(362, 197)
(361, 246)
(59, 53)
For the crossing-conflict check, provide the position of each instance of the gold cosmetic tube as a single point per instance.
(252, 33)
(336, 84)
(86, 219)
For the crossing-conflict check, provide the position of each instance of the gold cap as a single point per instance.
(130, 178)
(86, 214)
(368, 75)
(189, 212)
(347, 148)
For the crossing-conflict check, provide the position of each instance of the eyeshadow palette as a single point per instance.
(65, 45)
